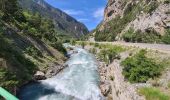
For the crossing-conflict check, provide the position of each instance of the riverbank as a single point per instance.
(54, 67)
(113, 84)
(78, 81)
(105, 72)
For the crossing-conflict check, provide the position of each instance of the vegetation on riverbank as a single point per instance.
(105, 52)
(153, 94)
(166, 37)
(109, 52)
(140, 68)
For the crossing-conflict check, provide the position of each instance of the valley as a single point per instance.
(47, 54)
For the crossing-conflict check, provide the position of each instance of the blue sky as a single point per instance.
(89, 12)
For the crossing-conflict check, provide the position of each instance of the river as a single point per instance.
(79, 81)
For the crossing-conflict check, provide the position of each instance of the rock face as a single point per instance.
(143, 15)
(158, 20)
(113, 8)
(63, 22)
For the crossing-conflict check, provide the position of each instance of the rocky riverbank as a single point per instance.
(114, 86)
(112, 83)
(53, 70)
(105, 80)
(105, 73)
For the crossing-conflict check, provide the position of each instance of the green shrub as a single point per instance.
(139, 68)
(116, 48)
(153, 94)
(129, 35)
(169, 85)
(166, 1)
(59, 47)
(8, 80)
(72, 42)
(166, 37)
(32, 51)
(96, 44)
(93, 51)
(83, 44)
(151, 7)
(107, 55)
(105, 35)
(150, 36)
(91, 43)
(110, 52)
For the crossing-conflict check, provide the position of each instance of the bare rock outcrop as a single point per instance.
(159, 20)
(113, 8)
(149, 15)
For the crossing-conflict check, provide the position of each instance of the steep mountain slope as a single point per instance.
(29, 44)
(135, 21)
(63, 22)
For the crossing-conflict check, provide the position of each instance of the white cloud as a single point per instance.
(73, 12)
(99, 13)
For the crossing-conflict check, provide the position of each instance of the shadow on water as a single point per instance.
(34, 91)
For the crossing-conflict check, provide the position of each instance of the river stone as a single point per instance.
(54, 70)
(105, 88)
(39, 75)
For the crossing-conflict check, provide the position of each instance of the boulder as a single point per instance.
(54, 70)
(39, 75)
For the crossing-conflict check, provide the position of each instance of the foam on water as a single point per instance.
(79, 81)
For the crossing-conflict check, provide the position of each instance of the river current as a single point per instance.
(79, 81)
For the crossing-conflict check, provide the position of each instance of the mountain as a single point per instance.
(29, 46)
(63, 22)
(135, 21)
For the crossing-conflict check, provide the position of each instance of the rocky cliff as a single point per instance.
(140, 15)
(63, 22)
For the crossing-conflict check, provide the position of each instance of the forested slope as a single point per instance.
(64, 23)
(29, 42)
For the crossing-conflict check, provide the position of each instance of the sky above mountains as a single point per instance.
(89, 12)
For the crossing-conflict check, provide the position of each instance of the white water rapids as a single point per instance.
(79, 81)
